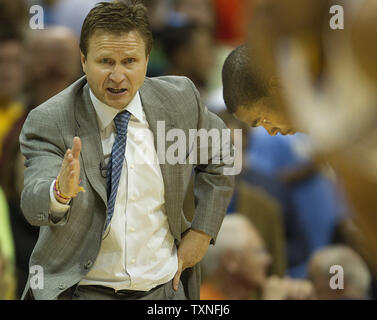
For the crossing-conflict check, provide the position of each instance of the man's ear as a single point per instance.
(83, 61)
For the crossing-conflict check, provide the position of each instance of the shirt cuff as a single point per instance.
(57, 208)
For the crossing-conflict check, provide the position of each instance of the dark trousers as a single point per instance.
(161, 292)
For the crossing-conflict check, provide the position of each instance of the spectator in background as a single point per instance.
(13, 17)
(357, 278)
(213, 15)
(297, 241)
(12, 109)
(317, 203)
(263, 211)
(271, 195)
(349, 233)
(189, 49)
(238, 264)
(158, 15)
(53, 64)
(181, 16)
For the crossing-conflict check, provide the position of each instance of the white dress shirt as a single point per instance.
(138, 250)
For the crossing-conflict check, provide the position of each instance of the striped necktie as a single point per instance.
(116, 162)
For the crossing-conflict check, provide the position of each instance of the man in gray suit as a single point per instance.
(126, 236)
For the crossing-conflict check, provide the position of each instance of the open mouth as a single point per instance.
(116, 91)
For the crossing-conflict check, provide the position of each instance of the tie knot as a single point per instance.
(121, 122)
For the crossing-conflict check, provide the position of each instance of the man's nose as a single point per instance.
(117, 75)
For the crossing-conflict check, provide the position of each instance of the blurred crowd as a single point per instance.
(292, 216)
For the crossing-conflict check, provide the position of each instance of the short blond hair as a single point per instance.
(356, 272)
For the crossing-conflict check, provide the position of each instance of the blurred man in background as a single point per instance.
(252, 96)
(190, 51)
(354, 279)
(238, 265)
(329, 80)
(54, 62)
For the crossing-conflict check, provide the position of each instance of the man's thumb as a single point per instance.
(177, 275)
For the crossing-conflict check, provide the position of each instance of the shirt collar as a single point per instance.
(106, 114)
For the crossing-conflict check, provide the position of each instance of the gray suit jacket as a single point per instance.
(68, 246)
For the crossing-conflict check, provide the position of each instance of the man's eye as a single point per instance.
(106, 61)
(130, 60)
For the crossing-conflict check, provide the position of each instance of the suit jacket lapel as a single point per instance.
(91, 154)
(155, 110)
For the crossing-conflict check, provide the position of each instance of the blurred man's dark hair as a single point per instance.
(243, 81)
(117, 17)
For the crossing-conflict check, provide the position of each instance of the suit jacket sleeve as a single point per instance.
(213, 188)
(43, 147)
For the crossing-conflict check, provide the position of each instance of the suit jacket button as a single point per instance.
(62, 286)
(88, 264)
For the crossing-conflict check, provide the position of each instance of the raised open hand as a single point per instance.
(69, 175)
